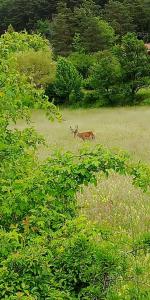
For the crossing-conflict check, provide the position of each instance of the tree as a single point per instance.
(105, 76)
(62, 30)
(98, 35)
(119, 16)
(82, 62)
(135, 65)
(95, 34)
(44, 27)
(24, 14)
(17, 93)
(32, 55)
(13, 42)
(140, 11)
(38, 66)
(67, 80)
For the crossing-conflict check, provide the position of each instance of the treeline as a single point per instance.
(122, 15)
(97, 54)
(112, 76)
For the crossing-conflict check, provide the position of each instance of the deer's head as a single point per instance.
(74, 131)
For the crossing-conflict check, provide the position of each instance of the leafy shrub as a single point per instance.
(90, 98)
(105, 75)
(82, 62)
(67, 80)
(38, 66)
(16, 89)
(74, 262)
(75, 98)
(135, 66)
(88, 263)
(12, 42)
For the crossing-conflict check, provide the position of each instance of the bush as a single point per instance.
(88, 262)
(105, 76)
(82, 62)
(90, 98)
(135, 66)
(67, 80)
(38, 66)
(12, 42)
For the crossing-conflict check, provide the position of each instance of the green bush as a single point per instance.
(135, 66)
(67, 80)
(90, 98)
(88, 263)
(106, 75)
(82, 62)
(38, 66)
(12, 42)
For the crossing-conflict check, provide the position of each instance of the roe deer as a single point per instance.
(87, 135)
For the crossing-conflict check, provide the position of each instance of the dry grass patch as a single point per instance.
(116, 203)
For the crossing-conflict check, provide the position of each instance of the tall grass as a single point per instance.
(126, 128)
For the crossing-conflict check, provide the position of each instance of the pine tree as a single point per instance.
(95, 34)
(62, 30)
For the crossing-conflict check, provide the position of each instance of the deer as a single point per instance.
(87, 135)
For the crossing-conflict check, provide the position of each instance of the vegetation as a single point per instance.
(82, 31)
(67, 80)
(48, 249)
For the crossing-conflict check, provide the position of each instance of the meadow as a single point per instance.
(125, 128)
(114, 201)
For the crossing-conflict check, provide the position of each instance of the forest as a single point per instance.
(74, 211)
(98, 46)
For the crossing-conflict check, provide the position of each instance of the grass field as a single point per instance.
(125, 128)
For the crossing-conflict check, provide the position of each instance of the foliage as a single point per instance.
(140, 11)
(22, 14)
(105, 75)
(62, 30)
(45, 254)
(134, 62)
(16, 92)
(38, 66)
(44, 27)
(46, 251)
(85, 259)
(12, 42)
(95, 34)
(67, 79)
(119, 15)
(77, 44)
(82, 62)
(90, 98)
(81, 30)
(124, 16)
